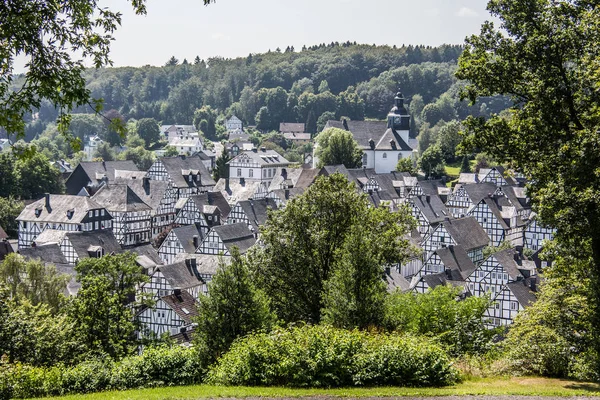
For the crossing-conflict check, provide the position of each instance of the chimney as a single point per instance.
(195, 241)
(254, 149)
(47, 196)
(227, 184)
(104, 164)
(345, 122)
(428, 199)
(388, 270)
(372, 144)
(146, 183)
(263, 149)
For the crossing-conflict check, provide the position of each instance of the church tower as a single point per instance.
(398, 118)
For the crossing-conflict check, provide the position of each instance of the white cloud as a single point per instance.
(466, 12)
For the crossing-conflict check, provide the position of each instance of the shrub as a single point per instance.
(322, 356)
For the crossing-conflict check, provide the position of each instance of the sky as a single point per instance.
(236, 28)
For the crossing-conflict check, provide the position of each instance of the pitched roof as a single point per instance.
(86, 243)
(285, 127)
(237, 235)
(307, 177)
(183, 304)
(59, 210)
(363, 131)
(287, 194)
(284, 175)
(236, 189)
(506, 258)
(455, 258)
(185, 236)
(441, 278)
(48, 253)
(3, 234)
(180, 166)
(523, 294)
(95, 170)
(151, 192)
(432, 208)
(5, 249)
(256, 210)
(212, 199)
(479, 191)
(145, 250)
(206, 264)
(467, 233)
(263, 157)
(120, 198)
(180, 275)
(395, 281)
(296, 136)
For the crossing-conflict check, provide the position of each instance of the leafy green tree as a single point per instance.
(105, 152)
(112, 133)
(407, 165)
(134, 140)
(350, 104)
(9, 180)
(172, 62)
(147, 129)
(337, 146)
(33, 281)
(142, 158)
(184, 99)
(85, 125)
(205, 119)
(103, 310)
(448, 139)
(234, 307)
(323, 118)
(10, 208)
(312, 237)
(432, 162)
(459, 325)
(324, 87)
(465, 166)
(37, 176)
(171, 151)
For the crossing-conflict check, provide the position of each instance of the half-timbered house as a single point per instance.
(452, 260)
(171, 315)
(160, 196)
(494, 272)
(206, 209)
(63, 213)
(221, 239)
(132, 218)
(183, 239)
(429, 211)
(187, 175)
(464, 232)
(181, 275)
(422, 284)
(513, 298)
(76, 246)
(89, 176)
(535, 233)
(251, 212)
(234, 190)
(465, 197)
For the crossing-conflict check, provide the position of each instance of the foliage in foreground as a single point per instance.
(323, 356)
(160, 366)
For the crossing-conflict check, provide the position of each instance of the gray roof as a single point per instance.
(291, 127)
(523, 293)
(455, 259)
(264, 157)
(506, 258)
(287, 194)
(180, 166)
(307, 177)
(120, 198)
(236, 189)
(237, 235)
(212, 199)
(59, 206)
(434, 187)
(296, 136)
(48, 253)
(467, 233)
(145, 250)
(151, 192)
(285, 175)
(432, 207)
(363, 131)
(96, 169)
(479, 191)
(441, 278)
(256, 211)
(206, 264)
(180, 275)
(3, 234)
(84, 242)
(185, 235)
(395, 281)
(517, 195)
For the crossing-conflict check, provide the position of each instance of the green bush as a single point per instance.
(322, 356)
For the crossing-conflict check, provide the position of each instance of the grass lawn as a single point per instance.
(453, 170)
(483, 386)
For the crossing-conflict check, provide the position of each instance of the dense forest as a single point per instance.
(321, 82)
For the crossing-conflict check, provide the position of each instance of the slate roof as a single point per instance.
(517, 195)
(307, 178)
(256, 211)
(59, 205)
(107, 168)
(183, 304)
(506, 258)
(185, 236)
(180, 275)
(50, 236)
(287, 175)
(3, 234)
(5, 249)
(84, 242)
(236, 234)
(395, 281)
(455, 259)
(212, 199)
(467, 233)
(206, 264)
(145, 250)
(479, 191)
(121, 174)
(435, 188)
(296, 136)
(291, 127)
(48, 253)
(178, 168)
(523, 294)
(441, 278)
(263, 157)
(432, 208)
(235, 190)
(151, 192)
(363, 131)
(120, 198)
(287, 194)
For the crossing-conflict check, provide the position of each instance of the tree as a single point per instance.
(33, 281)
(323, 118)
(9, 181)
(221, 167)
(448, 139)
(171, 151)
(235, 307)
(308, 241)
(337, 146)
(148, 130)
(545, 58)
(172, 62)
(465, 166)
(142, 158)
(112, 133)
(407, 165)
(103, 310)
(105, 152)
(10, 208)
(432, 162)
(37, 176)
(324, 87)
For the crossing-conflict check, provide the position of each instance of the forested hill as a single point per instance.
(350, 80)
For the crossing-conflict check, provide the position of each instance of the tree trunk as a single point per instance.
(595, 295)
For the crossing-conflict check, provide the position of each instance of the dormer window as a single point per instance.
(70, 213)
(384, 155)
(38, 211)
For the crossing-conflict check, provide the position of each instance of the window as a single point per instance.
(239, 172)
(102, 212)
(97, 213)
(514, 305)
(251, 173)
(364, 160)
(90, 214)
(493, 275)
(96, 225)
(264, 173)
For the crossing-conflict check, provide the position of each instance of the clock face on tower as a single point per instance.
(396, 120)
